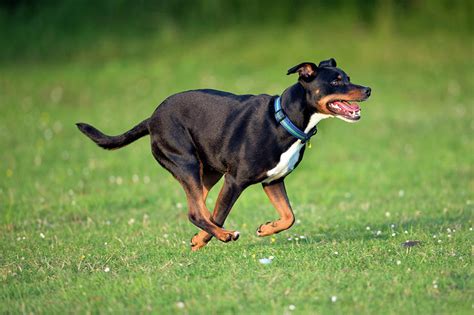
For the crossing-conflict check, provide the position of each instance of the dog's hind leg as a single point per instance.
(209, 178)
(276, 192)
(229, 193)
(199, 214)
(180, 160)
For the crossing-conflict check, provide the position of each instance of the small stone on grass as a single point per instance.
(411, 243)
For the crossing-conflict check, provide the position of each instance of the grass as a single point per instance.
(88, 231)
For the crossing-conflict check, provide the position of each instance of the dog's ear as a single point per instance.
(328, 63)
(306, 70)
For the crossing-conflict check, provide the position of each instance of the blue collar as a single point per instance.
(283, 120)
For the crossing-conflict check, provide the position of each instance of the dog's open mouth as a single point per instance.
(347, 110)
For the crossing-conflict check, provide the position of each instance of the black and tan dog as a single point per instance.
(200, 136)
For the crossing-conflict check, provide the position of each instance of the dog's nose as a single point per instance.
(368, 91)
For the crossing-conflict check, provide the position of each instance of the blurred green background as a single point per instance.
(51, 29)
(89, 231)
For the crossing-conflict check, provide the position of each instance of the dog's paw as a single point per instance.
(274, 227)
(228, 236)
(198, 242)
(266, 229)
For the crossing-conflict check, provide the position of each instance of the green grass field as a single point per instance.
(84, 230)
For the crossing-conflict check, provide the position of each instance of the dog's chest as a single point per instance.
(291, 156)
(287, 163)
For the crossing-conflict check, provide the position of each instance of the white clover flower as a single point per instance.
(106, 269)
(291, 307)
(135, 178)
(333, 299)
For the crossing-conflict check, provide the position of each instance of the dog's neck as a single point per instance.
(296, 107)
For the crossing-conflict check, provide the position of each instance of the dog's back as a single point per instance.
(215, 122)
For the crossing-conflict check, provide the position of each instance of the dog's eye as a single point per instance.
(336, 82)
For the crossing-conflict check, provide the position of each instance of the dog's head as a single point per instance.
(329, 89)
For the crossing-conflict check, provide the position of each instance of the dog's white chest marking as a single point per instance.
(290, 157)
(287, 162)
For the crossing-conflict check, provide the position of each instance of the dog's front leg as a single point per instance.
(276, 192)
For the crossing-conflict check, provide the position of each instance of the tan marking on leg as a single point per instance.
(200, 216)
(200, 240)
(205, 192)
(227, 196)
(279, 199)
(209, 179)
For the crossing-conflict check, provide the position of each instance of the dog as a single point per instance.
(199, 136)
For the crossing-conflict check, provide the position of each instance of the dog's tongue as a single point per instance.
(352, 107)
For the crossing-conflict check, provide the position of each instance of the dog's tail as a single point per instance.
(115, 142)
